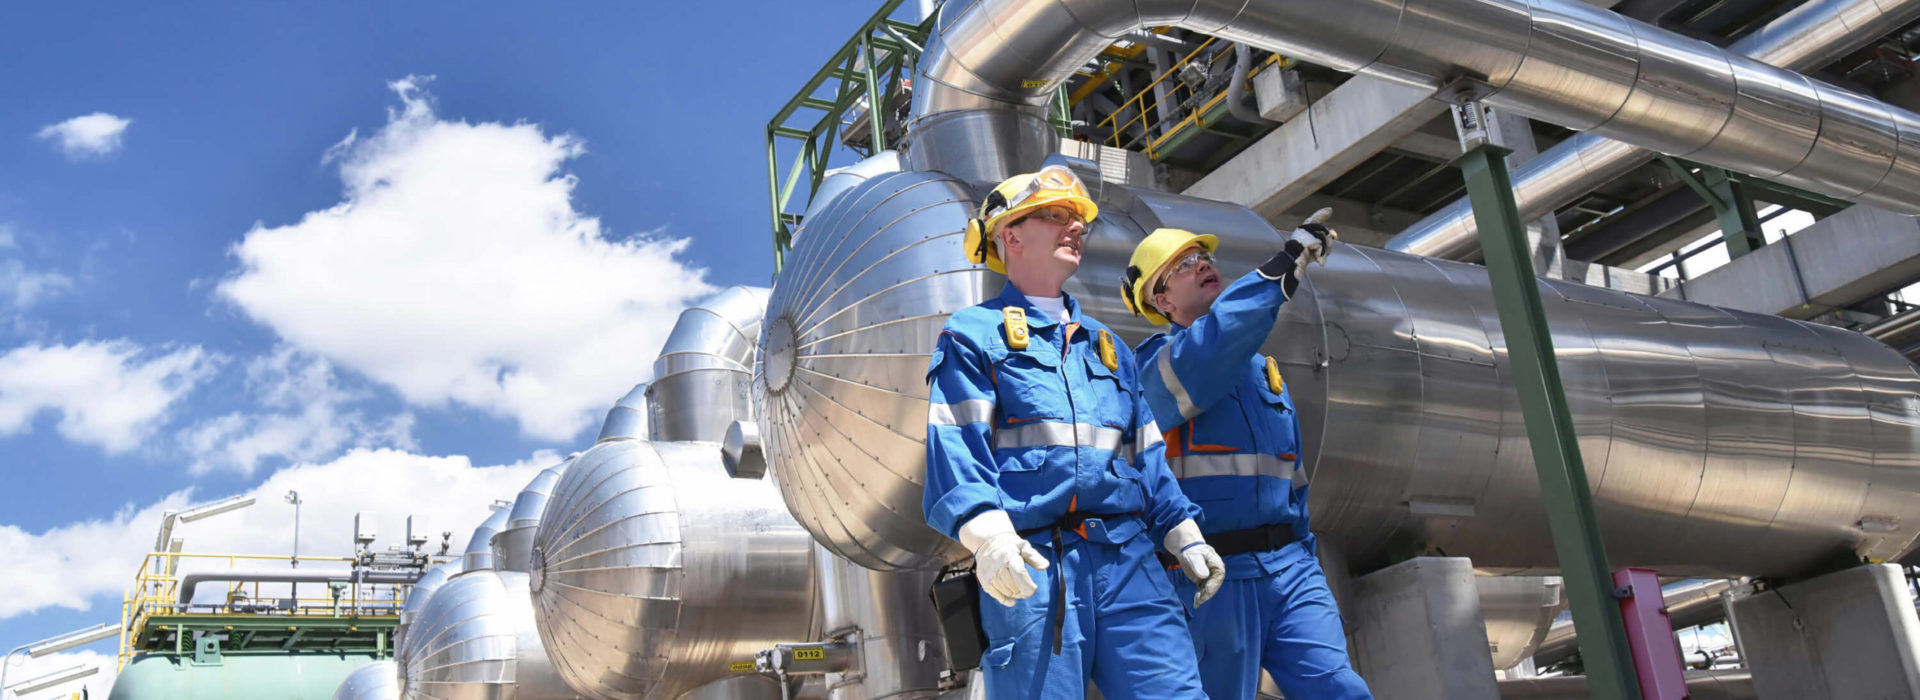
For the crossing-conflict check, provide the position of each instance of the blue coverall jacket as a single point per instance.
(1041, 432)
(1233, 442)
(1235, 447)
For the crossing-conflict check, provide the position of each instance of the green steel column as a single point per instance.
(773, 200)
(1556, 451)
(1739, 223)
(875, 100)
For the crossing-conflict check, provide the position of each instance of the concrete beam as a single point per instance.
(1356, 221)
(1349, 125)
(1837, 261)
(1439, 148)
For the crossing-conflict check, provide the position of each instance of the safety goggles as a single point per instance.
(1183, 265)
(1058, 216)
(1056, 179)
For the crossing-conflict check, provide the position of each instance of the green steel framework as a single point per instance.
(881, 46)
(1556, 449)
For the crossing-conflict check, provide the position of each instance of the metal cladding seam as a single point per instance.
(1560, 61)
(1810, 36)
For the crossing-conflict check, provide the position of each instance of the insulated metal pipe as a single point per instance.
(701, 378)
(1560, 61)
(1704, 430)
(1812, 35)
(190, 581)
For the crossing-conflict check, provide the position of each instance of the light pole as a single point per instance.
(35, 685)
(163, 542)
(294, 498)
(56, 643)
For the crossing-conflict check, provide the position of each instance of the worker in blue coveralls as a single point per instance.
(1234, 444)
(1044, 462)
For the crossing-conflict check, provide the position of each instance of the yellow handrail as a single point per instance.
(156, 590)
(1142, 107)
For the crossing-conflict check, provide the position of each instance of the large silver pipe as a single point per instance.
(479, 553)
(379, 680)
(1559, 61)
(654, 570)
(701, 377)
(1689, 603)
(1811, 36)
(417, 596)
(892, 624)
(513, 547)
(1703, 430)
(475, 640)
(189, 582)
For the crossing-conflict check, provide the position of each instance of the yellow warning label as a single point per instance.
(1033, 83)
(740, 667)
(809, 655)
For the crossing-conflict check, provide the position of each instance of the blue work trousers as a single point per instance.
(1123, 630)
(1285, 622)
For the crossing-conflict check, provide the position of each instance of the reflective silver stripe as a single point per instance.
(1181, 400)
(962, 413)
(1147, 437)
(1098, 437)
(1190, 466)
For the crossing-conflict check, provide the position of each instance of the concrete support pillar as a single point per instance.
(1421, 634)
(1841, 636)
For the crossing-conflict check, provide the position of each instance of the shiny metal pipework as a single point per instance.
(744, 687)
(417, 596)
(1690, 603)
(653, 570)
(842, 384)
(1810, 36)
(1519, 610)
(461, 646)
(889, 618)
(629, 417)
(475, 640)
(1559, 61)
(1704, 430)
(701, 379)
(190, 582)
(513, 547)
(479, 552)
(379, 680)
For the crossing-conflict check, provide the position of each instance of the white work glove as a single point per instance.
(1315, 240)
(1001, 556)
(1198, 561)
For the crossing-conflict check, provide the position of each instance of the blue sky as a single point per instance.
(359, 249)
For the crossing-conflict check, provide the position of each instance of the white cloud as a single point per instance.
(22, 287)
(87, 565)
(111, 394)
(308, 418)
(94, 135)
(98, 685)
(456, 270)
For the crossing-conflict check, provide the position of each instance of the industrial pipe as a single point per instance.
(189, 581)
(1559, 61)
(1812, 35)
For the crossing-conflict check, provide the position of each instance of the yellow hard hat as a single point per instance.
(1052, 185)
(1149, 258)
